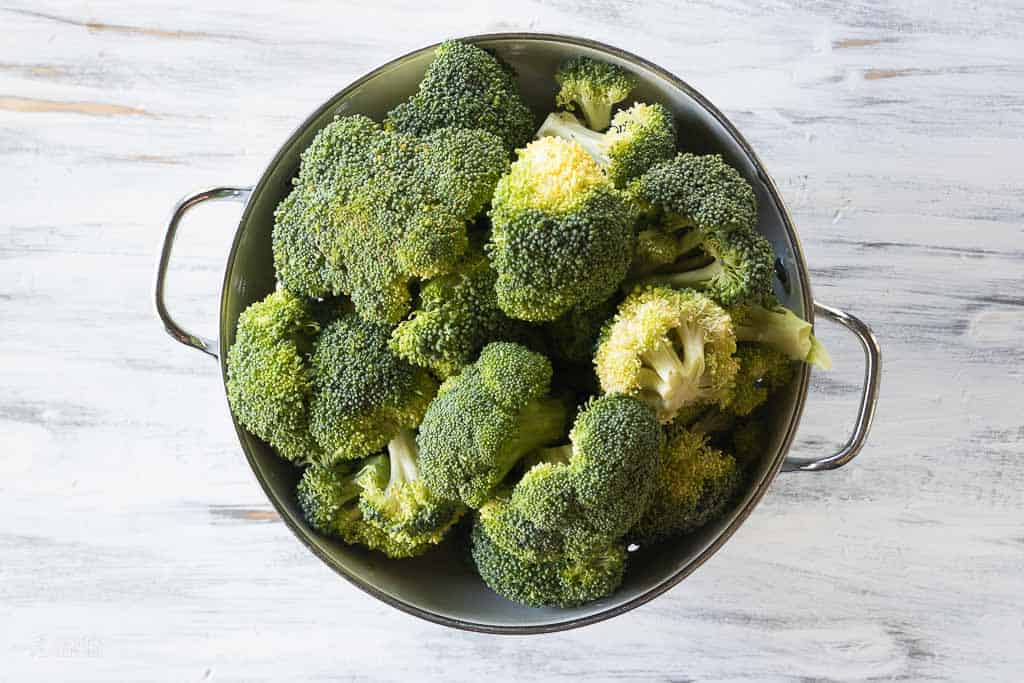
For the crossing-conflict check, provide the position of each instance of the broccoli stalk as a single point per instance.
(534, 426)
(779, 328)
(402, 457)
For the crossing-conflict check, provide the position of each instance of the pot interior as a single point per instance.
(442, 585)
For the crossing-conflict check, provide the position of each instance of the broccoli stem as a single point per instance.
(568, 127)
(778, 328)
(598, 113)
(558, 455)
(403, 457)
(540, 422)
(697, 277)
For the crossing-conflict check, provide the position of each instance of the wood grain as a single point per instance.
(134, 542)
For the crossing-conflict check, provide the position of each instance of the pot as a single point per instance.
(442, 586)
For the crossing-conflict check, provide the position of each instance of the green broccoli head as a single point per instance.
(372, 209)
(670, 348)
(573, 337)
(466, 87)
(693, 486)
(561, 583)
(269, 384)
(363, 394)
(775, 326)
(485, 419)
(701, 191)
(595, 87)
(638, 138)
(562, 236)
(329, 498)
(458, 313)
(403, 506)
(585, 494)
(762, 371)
(732, 267)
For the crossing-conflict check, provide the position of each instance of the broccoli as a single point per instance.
(362, 393)
(405, 508)
(372, 209)
(750, 439)
(731, 269)
(702, 202)
(762, 370)
(638, 138)
(563, 583)
(269, 384)
(329, 498)
(670, 348)
(562, 236)
(586, 494)
(700, 191)
(693, 486)
(657, 248)
(458, 313)
(593, 86)
(573, 337)
(466, 87)
(485, 419)
(779, 328)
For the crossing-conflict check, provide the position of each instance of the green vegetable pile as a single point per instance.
(564, 347)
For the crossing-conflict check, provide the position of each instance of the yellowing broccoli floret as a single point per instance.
(562, 235)
(762, 370)
(638, 138)
(594, 86)
(363, 393)
(693, 486)
(466, 87)
(670, 348)
(269, 384)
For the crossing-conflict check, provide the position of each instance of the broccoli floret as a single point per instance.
(700, 191)
(405, 508)
(363, 393)
(586, 494)
(638, 138)
(372, 209)
(485, 419)
(762, 371)
(779, 328)
(329, 498)
(466, 87)
(458, 313)
(562, 236)
(693, 486)
(657, 248)
(562, 583)
(574, 336)
(702, 203)
(269, 384)
(750, 439)
(593, 86)
(731, 268)
(670, 348)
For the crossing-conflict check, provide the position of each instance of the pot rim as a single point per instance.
(759, 489)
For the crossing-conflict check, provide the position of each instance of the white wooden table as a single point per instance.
(134, 541)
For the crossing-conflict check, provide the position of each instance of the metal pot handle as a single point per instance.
(204, 344)
(868, 398)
